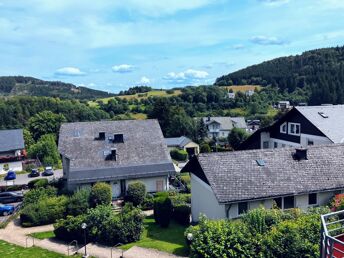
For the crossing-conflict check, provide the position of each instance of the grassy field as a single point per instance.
(139, 96)
(242, 88)
(169, 239)
(43, 235)
(13, 251)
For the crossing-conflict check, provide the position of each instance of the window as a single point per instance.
(242, 207)
(312, 199)
(294, 128)
(266, 145)
(283, 127)
(310, 142)
(278, 202)
(289, 202)
(275, 145)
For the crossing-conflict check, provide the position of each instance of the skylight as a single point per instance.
(260, 162)
(323, 114)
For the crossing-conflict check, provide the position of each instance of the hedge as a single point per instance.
(103, 225)
(148, 202)
(181, 214)
(37, 194)
(136, 193)
(162, 211)
(39, 182)
(45, 211)
(180, 155)
(78, 203)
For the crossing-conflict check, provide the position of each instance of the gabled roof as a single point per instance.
(236, 176)
(177, 141)
(227, 123)
(143, 152)
(331, 123)
(11, 140)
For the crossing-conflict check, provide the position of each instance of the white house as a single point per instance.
(182, 143)
(117, 152)
(220, 127)
(228, 184)
(301, 127)
(12, 150)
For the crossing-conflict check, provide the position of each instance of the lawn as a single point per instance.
(169, 239)
(43, 235)
(13, 251)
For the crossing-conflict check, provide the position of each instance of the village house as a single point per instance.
(183, 143)
(220, 127)
(12, 150)
(228, 184)
(117, 152)
(301, 127)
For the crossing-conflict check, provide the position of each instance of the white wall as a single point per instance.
(265, 137)
(14, 166)
(316, 139)
(150, 182)
(203, 201)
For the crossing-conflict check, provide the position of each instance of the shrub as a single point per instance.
(180, 155)
(29, 167)
(100, 194)
(220, 238)
(39, 182)
(169, 91)
(180, 199)
(45, 211)
(97, 221)
(136, 193)
(148, 202)
(37, 194)
(78, 203)
(70, 228)
(205, 148)
(163, 211)
(181, 213)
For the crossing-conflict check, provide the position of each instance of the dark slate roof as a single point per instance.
(11, 140)
(177, 141)
(332, 126)
(143, 152)
(236, 176)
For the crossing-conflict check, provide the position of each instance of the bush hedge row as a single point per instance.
(180, 155)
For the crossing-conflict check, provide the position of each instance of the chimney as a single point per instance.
(113, 154)
(300, 154)
(208, 119)
(118, 138)
(101, 136)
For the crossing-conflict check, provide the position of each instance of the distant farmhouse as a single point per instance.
(183, 143)
(301, 127)
(228, 184)
(12, 150)
(117, 152)
(220, 127)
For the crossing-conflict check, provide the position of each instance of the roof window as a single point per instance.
(260, 162)
(322, 114)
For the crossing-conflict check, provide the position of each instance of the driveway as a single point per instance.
(23, 179)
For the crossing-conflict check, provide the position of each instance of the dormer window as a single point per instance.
(294, 129)
(283, 127)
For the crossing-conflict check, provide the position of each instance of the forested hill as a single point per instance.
(320, 72)
(29, 86)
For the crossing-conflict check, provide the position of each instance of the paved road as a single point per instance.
(24, 179)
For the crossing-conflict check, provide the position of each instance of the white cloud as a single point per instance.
(274, 2)
(69, 71)
(145, 80)
(123, 68)
(265, 40)
(92, 84)
(189, 75)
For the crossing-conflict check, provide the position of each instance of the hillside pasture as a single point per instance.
(242, 88)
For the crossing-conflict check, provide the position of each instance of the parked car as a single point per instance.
(48, 171)
(6, 209)
(6, 197)
(34, 173)
(11, 175)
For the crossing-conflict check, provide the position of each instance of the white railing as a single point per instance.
(332, 229)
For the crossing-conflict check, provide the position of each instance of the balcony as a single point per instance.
(6, 159)
(332, 235)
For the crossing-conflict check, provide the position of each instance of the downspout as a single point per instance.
(227, 211)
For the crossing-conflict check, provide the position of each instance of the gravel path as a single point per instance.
(16, 234)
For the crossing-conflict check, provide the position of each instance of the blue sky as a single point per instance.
(115, 44)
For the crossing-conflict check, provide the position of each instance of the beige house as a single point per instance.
(183, 143)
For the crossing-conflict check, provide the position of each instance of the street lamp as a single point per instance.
(84, 226)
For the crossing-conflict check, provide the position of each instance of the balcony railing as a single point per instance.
(332, 235)
(5, 159)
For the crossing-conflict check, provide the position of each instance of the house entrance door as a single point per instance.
(116, 189)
